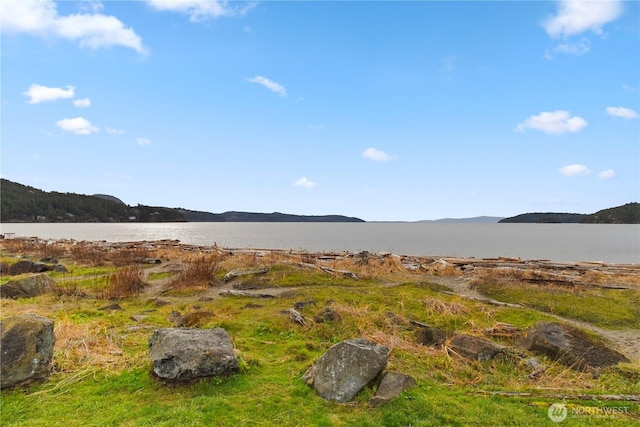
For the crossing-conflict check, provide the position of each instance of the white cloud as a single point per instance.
(79, 126)
(607, 174)
(143, 141)
(199, 10)
(578, 16)
(82, 103)
(575, 170)
(93, 30)
(375, 154)
(39, 93)
(305, 183)
(271, 85)
(554, 122)
(625, 113)
(114, 131)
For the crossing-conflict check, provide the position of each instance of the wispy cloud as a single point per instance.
(305, 183)
(575, 170)
(82, 103)
(578, 16)
(269, 84)
(375, 155)
(114, 131)
(39, 93)
(576, 49)
(625, 113)
(78, 125)
(607, 174)
(143, 141)
(200, 10)
(553, 122)
(93, 30)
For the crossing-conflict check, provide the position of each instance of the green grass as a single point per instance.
(607, 308)
(102, 375)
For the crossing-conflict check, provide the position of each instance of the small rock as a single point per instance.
(299, 305)
(138, 317)
(111, 307)
(392, 384)
(327, 315)
(432, 336)
(475, 348)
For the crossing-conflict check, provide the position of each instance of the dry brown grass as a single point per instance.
(88, 254)
(86, 345)
(124, 282)
(435, 306)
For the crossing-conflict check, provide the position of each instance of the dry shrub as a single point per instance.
(68, 288)
(87, 253)
(50, 249)
(197, 273)
(124, 282)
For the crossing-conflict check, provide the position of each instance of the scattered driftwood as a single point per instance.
(421, 324)
(344, 273)
(295, 316)
(561, 396)
(238, 273)
(237, 293)
(485, 300)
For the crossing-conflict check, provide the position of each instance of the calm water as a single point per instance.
(558, 242)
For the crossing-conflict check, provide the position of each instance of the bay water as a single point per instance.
(609, 243)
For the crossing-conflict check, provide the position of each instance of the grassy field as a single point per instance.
(102, 375)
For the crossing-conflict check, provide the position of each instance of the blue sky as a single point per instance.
(381, 110)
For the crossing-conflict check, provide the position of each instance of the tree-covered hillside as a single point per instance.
(21, 203)
(626, 214)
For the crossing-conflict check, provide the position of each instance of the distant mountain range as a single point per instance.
(21, 203)
(475, 219)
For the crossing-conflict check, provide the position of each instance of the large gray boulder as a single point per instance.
(26, 349)
(28, 287)
(346, 368)
(569, 345)
(183, 354)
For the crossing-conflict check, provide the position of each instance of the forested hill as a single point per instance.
(21, 203)
(626, 214)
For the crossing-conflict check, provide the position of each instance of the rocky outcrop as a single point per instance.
(184, 354)
(28, 287)
(26, 349)
(475, 348)
(346, 368)
(569, 345)
(26, 266)
(391, 386)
